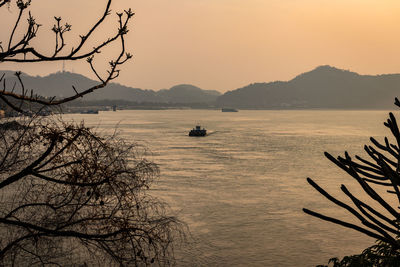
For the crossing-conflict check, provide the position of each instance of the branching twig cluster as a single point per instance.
(380, 221)
(64, 183)
(21, 51)
(67, 195)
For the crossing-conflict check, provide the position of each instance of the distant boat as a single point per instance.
(90, 111)
(229, 110)
(198, 131)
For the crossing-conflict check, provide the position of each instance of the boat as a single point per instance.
(229, 110)
(197, 131)
(90, 111)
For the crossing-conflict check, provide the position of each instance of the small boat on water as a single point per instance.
(229, 110)
(90, 111)
(197, 131)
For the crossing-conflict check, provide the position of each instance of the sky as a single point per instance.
(226, 44)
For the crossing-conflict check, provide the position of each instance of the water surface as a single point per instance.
(241, 189)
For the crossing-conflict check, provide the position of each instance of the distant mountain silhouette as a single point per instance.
(323, 87)
(186, 93)
(60, 84)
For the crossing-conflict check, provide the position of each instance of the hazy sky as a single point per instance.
(227, 44)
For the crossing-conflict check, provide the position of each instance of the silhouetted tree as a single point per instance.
(380, 220)
(65, 191)
(21, 51)
(69, 196)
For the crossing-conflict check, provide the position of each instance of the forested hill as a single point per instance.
(60, 84)
(323, 87)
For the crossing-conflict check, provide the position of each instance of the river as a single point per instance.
(242, 188)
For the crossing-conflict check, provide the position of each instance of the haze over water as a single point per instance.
(241, 189)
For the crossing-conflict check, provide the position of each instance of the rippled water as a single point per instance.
(241, 189)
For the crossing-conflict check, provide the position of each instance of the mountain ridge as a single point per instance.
(60, 84)
(322, 87)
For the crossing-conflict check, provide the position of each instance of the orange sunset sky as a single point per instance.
(227, 44)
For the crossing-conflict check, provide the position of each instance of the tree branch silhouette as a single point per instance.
(68, 195)
(381, 170)
(21, 51)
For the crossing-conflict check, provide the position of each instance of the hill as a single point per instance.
(323, 87)
(60, 84)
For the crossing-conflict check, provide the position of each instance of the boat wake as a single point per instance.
(210, 133)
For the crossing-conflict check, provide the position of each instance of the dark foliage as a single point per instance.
(380, 254)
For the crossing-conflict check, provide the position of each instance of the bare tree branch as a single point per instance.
(67, 193)
(22, 52)
(383, 169)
